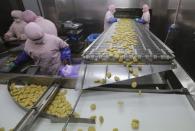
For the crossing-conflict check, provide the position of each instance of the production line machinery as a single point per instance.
(159, 101)
(144, 44)
(124, 55)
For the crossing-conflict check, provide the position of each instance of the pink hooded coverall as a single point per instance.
(47, 26)
(44, 49)
(146, 15)
(16, 30)
(109, 15)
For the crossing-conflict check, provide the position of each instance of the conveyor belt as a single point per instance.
(148, 50)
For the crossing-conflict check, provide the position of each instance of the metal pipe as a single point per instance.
(40, 8)
(177, 11)
(175, 20)
(70, 116)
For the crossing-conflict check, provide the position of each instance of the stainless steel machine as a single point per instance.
(153, 89)
(153, 55)
(161, 87)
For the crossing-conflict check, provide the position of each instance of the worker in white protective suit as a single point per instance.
(47, 26)
(47, 52)
(145, 19)
(16, 30)
(109, 17)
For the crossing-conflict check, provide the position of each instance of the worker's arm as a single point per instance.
(112, 20)
(65, 54)
(64, 51)
(142, 21)
(9, 34)
(22, 57)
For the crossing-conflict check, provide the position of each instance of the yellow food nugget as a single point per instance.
(139, 67)
(120, 59)
(101, 119)
(115, 129)
(93, 117)
(80, 129)
(116, 78)
(103, 81)
(140, 93)
(97, 81)
(124, 63)
(135, 72)
(108, 75)
(130, 70)
(91, 128)
(117, 56)
(120, 103)
(63, 129)
(93, 107)
(135, 124)
(2, 129)
(133, 84)
(135, 59)
(129, 65)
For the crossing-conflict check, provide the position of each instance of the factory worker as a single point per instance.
(47, 26)
(109, 17)
(46, 51)
(145, 19)
(16, 30)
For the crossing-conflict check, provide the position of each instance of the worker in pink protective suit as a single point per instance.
(16, 30)
(109, 17)
(47, 52)
(47, 26)
(145, 19)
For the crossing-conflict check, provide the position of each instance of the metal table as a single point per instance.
(154, 111)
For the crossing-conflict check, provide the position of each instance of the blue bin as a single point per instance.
(92, 37)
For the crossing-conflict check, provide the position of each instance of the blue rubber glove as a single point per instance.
(69, 71)
(140, 21)
(22, 57)
(172, 27)
(112, 20)
(66, 54)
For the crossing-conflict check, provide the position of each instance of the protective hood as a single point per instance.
(145, 8)
(112, 8)
(34, 32)
(29, 16)
(16, 14)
